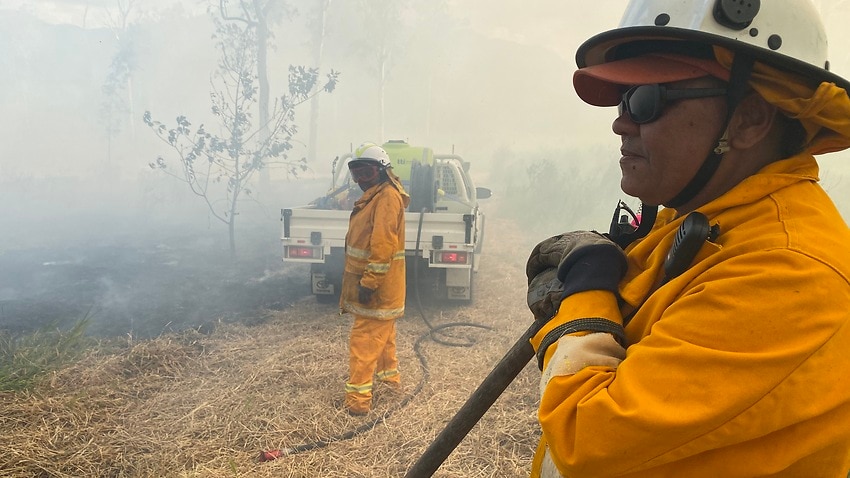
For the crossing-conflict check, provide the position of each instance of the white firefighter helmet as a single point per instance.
(371, 152)
(786, 34)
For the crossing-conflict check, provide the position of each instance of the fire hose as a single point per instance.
(476, 405)
(433, 333)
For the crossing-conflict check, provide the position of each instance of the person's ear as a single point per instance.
(752, 122)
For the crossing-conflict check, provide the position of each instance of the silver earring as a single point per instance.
(722, 146)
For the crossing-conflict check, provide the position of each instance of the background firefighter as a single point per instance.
(373, 284)
(734, 367)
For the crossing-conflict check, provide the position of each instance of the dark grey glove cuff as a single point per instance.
(596, 267)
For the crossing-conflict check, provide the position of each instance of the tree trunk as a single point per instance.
(231, 230)
(263, 79)
(231, 219)
(318, 52)
(131, 108)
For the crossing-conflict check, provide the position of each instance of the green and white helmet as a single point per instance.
(372, 153)
(787, 34)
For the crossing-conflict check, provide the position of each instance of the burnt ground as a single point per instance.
(140, 256)
(144, 285)
(148, 286)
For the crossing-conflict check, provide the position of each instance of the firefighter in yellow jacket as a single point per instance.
(727, 356)
(373, 284)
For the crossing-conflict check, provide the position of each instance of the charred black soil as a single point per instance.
(146, 288)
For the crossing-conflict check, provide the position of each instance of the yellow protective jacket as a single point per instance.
(374, 252)
(740, 367)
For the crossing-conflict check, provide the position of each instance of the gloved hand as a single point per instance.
(569, 263)
(544, 294)
(546, 255)
(364, 294)
(545, 290)
(591, 261)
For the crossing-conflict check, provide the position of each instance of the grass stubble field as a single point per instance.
(205, 403)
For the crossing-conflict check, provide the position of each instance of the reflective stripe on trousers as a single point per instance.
(372, 347)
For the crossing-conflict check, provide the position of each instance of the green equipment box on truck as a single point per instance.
(444, 225)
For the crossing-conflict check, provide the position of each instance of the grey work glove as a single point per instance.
(545, 290)
(544, 294)
(569, 263)
(364, 294)
(546, 255)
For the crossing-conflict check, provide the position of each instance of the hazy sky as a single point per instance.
(546, 25)
(556, 26)
(93, 12)
(511, 97)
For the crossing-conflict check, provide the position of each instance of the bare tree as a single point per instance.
(258, 15)
(219, 167)
(118, 87)
(318, 24)
(382, 36)
(385, 30)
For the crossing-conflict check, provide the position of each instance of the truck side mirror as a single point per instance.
(483, 193)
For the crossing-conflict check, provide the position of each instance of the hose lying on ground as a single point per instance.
(434, 332)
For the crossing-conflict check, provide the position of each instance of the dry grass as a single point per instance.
(193, 405)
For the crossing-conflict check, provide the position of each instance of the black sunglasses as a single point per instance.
(645, 103)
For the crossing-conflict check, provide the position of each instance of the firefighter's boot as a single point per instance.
(358, 404)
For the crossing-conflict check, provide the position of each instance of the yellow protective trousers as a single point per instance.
(372, 350)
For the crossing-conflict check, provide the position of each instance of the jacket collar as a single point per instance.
(646, 256)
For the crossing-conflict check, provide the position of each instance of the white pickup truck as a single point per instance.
(444, 225)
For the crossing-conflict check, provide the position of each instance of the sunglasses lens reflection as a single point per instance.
(642, 103)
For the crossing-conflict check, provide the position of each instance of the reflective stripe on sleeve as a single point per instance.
(357, 253)
(378, 268)
(357, 308)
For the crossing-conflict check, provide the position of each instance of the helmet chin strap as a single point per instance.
(742, 66)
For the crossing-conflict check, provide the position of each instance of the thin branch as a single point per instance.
(225, 16)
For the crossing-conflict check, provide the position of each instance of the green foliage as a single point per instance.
(24, 360)
(549, 192)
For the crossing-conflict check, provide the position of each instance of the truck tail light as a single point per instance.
(303, 252)
(451, 257)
